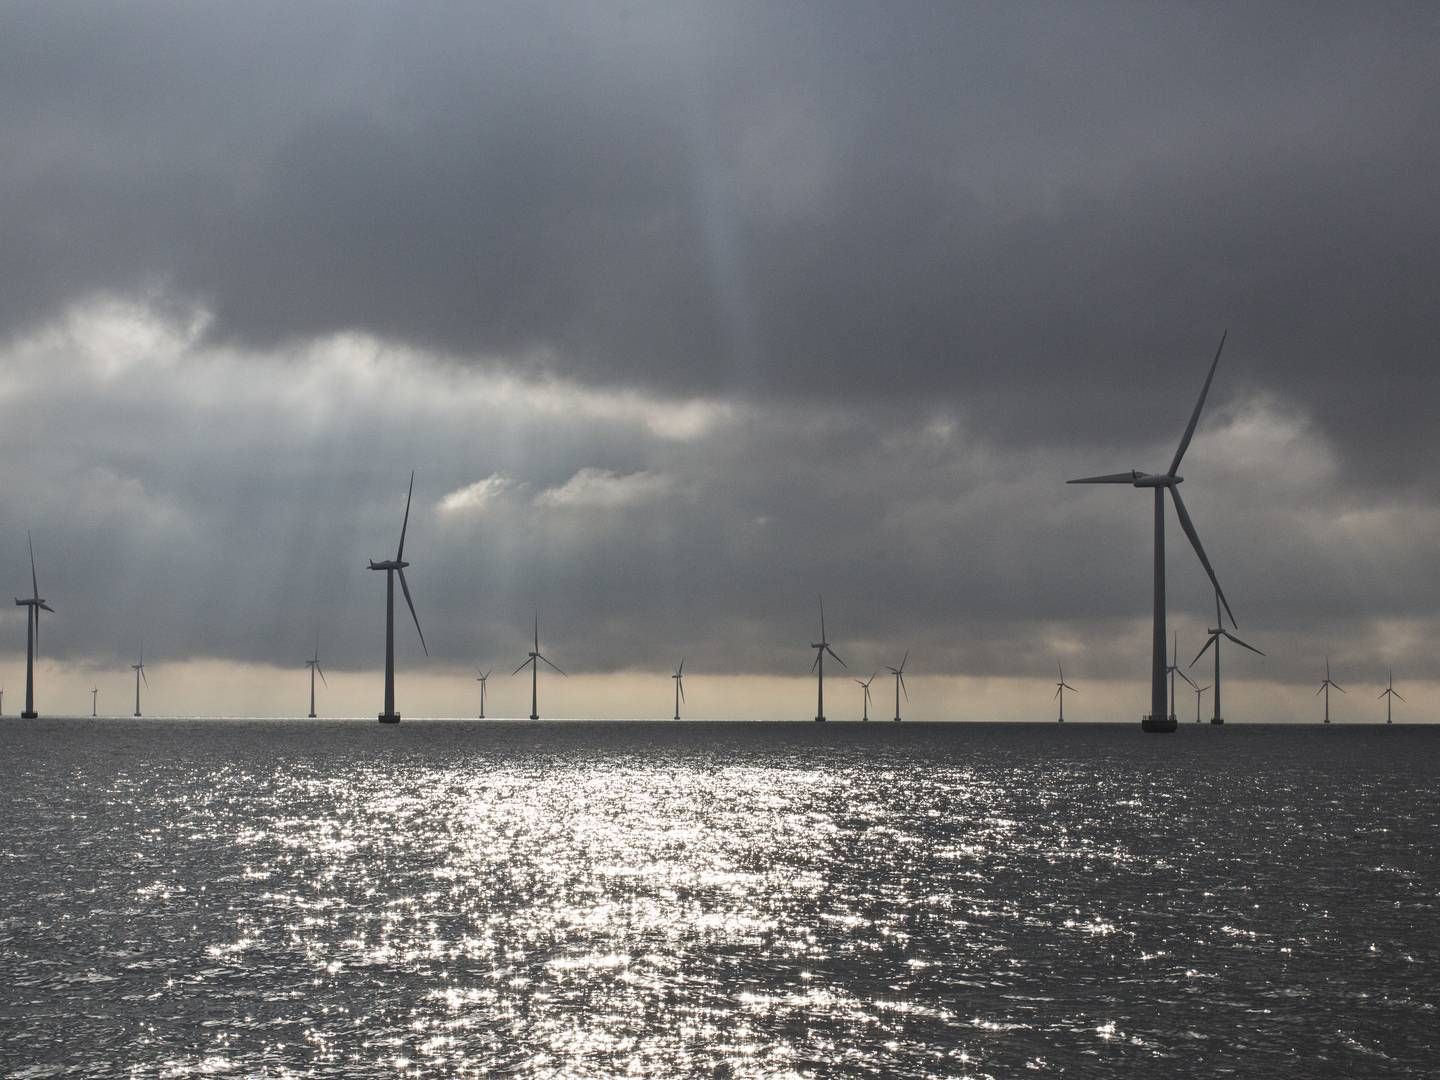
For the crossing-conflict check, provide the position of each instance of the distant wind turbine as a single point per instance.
(1199, 690)
(899, 674)
(865, 685)
(392, 567)
(314, 665)
(1216, 633)
(1060, 688)
(1390, 694)
(35, 605)
(139, 670)
(94, 699)
(679, 678)
(821, 647)
(1170, 480)
(533, 660)
(482, 677)
(2, 701)
(1173, 669)
(1325, 689)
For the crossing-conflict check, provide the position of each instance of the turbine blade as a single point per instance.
(552, 665)
(144, 678)
(34, 581)
(1397, 695)
(822, 618)
(1185, 677)
(1195, 416)
(1242, 644)
(903, 659)
(833, 653)
(1057, 692)
(1208, 642)
(1109, 478)
(1338, 687)
(682, 690)
(322, 676)
(1189, 527)
(904, 689)
(1318, 692)
(816, 662)
(680, 671)
(521, 667)
(411, 605)
(405, 524)
(1070, 688)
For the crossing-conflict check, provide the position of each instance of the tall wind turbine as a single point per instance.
(1060, 688)
(821, 647)
(1170, 481)
(1173, 669)
(533, 660)
(1325, 688)
(1389, 694)
(482, 677)
(865, 685)
(2, 701)
(139, 670)
(1216, 633)
(679, 678)
(899, 674)
(392, 567)
(34, 606)
(1199, 691)
(94, 699)
(314, 665)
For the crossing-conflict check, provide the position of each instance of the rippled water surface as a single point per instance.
(717, 900)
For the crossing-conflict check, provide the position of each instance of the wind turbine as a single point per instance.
(1325, 688)
(899, 674)
(1389, 693)
(392, 567)
(139, 670)
(481, 679)
(1060, 688)
(94, 699)
(1173, 669)
(1216, 633)
(865, 685)
(533, 660)
(821, 647)
(679, 678)
(314, 665)
(1199, 690)
(35, 605)
(1170, 480)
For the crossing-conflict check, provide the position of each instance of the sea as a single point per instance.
(286, 898)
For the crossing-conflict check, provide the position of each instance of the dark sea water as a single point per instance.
(597, 899)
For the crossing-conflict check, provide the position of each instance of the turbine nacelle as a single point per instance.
(388, 564)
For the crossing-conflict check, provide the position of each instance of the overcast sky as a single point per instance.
(683, 314)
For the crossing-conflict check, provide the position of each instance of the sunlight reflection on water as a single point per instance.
(292, 898)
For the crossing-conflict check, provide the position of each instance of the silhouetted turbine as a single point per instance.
(533, 660)
(679, 678)
(139, 670)
(865, 684)
(1199, 690)
(482, 679)
(314, 665)
(821, 647)
(1325, 688)
(1216, 633)
(1390, 694)
(899, 674)
(94, 699)
(392, 567)
(1060, 688)
(1173, 669)
(1168, 481)
(33, 607)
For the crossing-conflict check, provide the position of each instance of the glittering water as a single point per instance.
(605, 899)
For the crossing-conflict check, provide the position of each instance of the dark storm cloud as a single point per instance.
(1042, 214)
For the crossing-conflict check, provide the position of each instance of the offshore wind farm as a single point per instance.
(753, 346)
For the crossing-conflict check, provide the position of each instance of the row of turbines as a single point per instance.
(1161, 718)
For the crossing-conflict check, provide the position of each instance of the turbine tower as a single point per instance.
(314, 665)
(392, 567)
(94, 699)
(1389, 694)
(482, 678)
(821, 647)
(1325, 688)
(865, 685)
(33, 607)
(1060, 688)
(139, 670)
(899, 674)
(679, 678)
(533, 660)
(1170, 481)
(1216, 633)
(2, 701)
(1199, 690)
(1172, 669)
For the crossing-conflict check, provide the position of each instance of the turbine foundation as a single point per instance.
(29, 715)
(819, 720)
(389, 718)
(1159, 724)
(1217, 720)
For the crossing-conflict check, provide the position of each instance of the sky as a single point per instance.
(685, 314)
